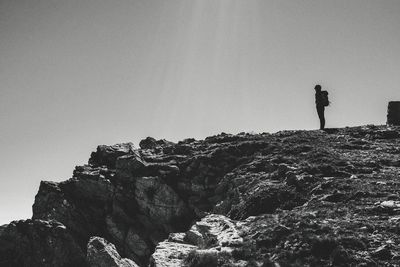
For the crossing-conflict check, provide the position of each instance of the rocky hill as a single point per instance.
(293, 198)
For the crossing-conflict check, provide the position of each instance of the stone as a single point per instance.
(107, 155)
(101, 253)
(390, 204)
(39, 243)
(159, 201)
(383, 252)
(148, 143)
(135, 243)
(170, 254)
(128, 166)
(151, 143)
(201, 245)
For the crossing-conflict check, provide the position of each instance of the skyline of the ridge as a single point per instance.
(76, 74)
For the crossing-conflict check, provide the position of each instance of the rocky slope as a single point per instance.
(294, 198)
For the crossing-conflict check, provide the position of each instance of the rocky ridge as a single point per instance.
(293, 198)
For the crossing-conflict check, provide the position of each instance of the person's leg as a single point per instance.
(323, 118)
(321, 115)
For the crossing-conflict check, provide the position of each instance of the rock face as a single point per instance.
(293, 198)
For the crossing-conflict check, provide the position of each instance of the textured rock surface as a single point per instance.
(293, 198)
(101, 253)
(214, 237)
(38, 243)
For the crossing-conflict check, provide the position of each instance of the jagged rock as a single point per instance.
(39, 243)
(151, 143)
(101, 253)
(383, 252)
(49, 197)
(390, 204)
(67, 202)
(135, 244)
(214, 237)
(159, 201)
(148, 143)
(107, 155)
(169, 254)
(93, 184)
(214, 230)
(130, 166)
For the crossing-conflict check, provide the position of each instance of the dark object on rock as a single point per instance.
(393, 115)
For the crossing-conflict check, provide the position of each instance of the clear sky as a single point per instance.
(78, 73)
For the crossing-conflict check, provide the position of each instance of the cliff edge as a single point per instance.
(293, 198)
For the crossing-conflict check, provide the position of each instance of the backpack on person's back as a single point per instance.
(324, 98)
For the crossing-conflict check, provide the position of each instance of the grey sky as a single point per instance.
(78, 73)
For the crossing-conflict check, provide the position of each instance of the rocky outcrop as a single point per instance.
(293, 198)
(101, 253)
(131, 205)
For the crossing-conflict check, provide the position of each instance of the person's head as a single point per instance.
(317, 88)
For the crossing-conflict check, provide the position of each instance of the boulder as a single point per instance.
(170, 254)
(161, 203)
(151, 143)
(148, 143)
(107, 155)
(101, 253)
(128, 166)
(39, 243)
(213, 237)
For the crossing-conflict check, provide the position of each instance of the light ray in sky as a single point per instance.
(75, 74)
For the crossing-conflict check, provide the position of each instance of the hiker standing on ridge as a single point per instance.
(321, 101)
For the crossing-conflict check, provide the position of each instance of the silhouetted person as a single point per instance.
(321, 101)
